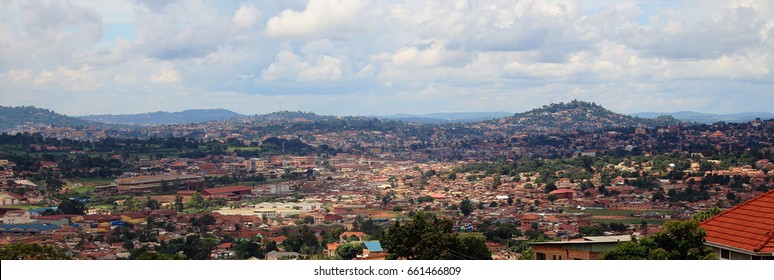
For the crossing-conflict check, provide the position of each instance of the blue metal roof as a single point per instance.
(28, 227)
(373, 246)
(41, 210)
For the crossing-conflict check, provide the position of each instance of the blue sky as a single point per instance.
(383, 57)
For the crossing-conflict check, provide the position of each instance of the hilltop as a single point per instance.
(155, 118)
(25, 117)
(578, 115)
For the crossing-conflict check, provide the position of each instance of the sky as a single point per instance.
(81, 57)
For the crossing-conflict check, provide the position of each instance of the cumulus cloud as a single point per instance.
(293, 67)
(165, 76)
(320, 18)
(246, 16)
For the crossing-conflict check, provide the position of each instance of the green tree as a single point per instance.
(245, 249)
(152, 203)
(179, 203)
(72, 206)
(53, 185)
(707, 214)
(304, 241)
(430, 238)
(466, 207)
(151, 255)
(350, 250)
(678, 241)
(34, 251)
(308, 220)
(203, 221)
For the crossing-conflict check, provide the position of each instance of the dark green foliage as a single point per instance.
(72, 206)
(151, 255)
(33, 251)
(678, 241)
(431, 238)
(501, 232)
(304, 241)
(193, 247)
(466, 207)
(348, 251)
(246, 249)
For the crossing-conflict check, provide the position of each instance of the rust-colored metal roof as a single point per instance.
(748, 226)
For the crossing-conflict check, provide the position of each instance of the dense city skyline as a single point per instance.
(372, 58)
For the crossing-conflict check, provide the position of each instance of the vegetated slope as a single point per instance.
(24, 117)
(578, 115)
(187, 116)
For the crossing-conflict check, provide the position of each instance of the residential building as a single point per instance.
(744, 232)
(587, 248)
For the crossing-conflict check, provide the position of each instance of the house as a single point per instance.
(7, 198)
(563, 193)
(231, 192)
(373, 251)
(134, 217)
(16, 217)
(588, 248)
(744, 232)
(345, 236)
(330, 249)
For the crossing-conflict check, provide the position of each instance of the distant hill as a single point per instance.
(689, 116)
(447, 117)
(187, 116)
(578, 115)
(24, 117)
(289, 116)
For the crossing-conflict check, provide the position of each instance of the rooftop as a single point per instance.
(748, 226)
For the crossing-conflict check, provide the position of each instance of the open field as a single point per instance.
(631, 221)
(615, 212)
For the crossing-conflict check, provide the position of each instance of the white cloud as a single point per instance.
(246, 16)
(165, 76)
(292, 67)
(320, 18)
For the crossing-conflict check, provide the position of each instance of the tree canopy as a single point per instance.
(33, 251)
(678, 241)
(431, 238)
(72, 206)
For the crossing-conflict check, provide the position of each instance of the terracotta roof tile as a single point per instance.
(748, 226)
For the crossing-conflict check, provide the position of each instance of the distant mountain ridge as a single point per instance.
(578, 115)
(159, 118)
(690, 116)
(447, 117)
(24, 117)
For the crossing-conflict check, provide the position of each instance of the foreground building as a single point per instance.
(745, 232)
(587, 248)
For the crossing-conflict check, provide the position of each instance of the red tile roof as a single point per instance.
(748, 226)
(226, 190)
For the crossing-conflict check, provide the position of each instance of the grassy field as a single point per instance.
(231, 149)
(614, 212)
(630, 221)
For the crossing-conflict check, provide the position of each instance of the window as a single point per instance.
(725, 254)
(540, 256)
